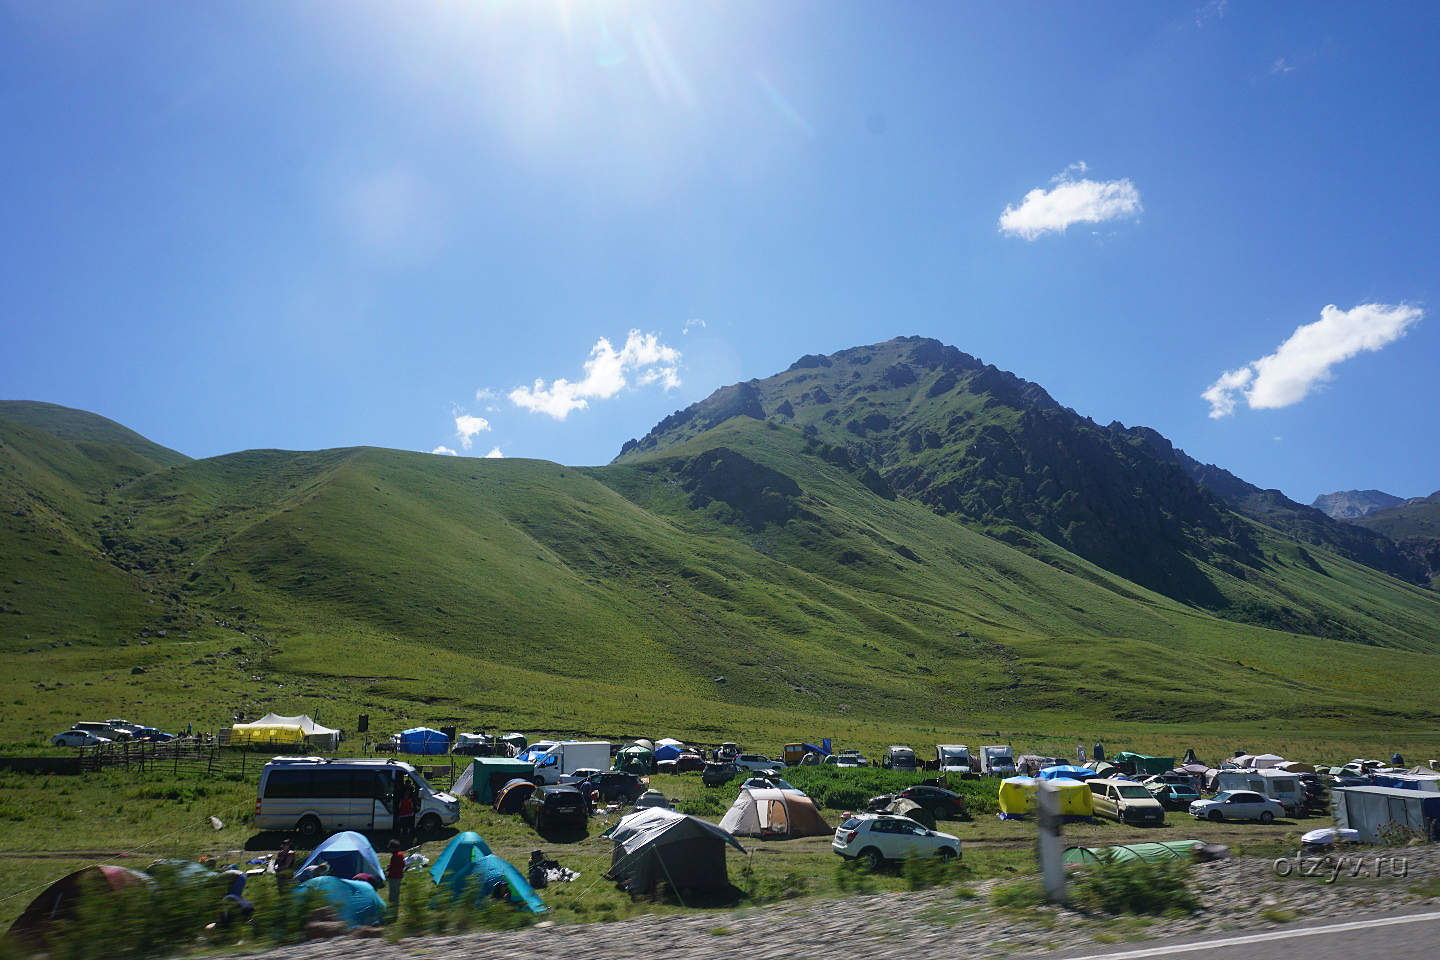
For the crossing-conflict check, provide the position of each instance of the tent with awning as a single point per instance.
(665, 846)
(287, 731)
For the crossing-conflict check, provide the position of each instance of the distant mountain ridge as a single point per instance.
(940, 426)
(1352, 504)
(1414, 525)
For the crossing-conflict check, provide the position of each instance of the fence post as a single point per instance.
(1051, 854)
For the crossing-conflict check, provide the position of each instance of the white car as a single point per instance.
(758, 761)
(848, 759)
(1237, 805)
(873, 838)
(77, 738)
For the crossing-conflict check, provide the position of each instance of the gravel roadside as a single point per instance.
(937, 923)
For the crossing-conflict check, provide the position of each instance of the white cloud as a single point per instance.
(1070, 201)
(1211, 11)
(485, 393)
(445, 451)
(495, 454)
(1281, 67)
(693, 322)
(606, 374)
(1288, 375)
(467, 426)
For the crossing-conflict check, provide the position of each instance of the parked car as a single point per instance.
(102, 730)
(848, 758)
(940, 803)
(1174, 796)
(758, 761)
(78, 738)
(1237, 805)
(772, 783)
(651, 798)
(1182, 779)
(553, 806)
(873, 838)
(687, 762)
(614, 786)
(151, 735)
(727, 752)
(718, 774)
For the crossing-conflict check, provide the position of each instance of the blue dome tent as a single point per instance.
(425, 741)
(347, 854)
(355, 900)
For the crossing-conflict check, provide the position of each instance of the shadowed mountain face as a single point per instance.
(1414, 526)
(941, 427)
(1352, 504)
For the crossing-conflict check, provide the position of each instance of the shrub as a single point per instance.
(1135, 887)
(923, 872)
(1020, 895)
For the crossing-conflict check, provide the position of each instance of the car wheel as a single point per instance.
(946, 854)
(429, 825)
(871, 858)
(1216, 816)
(309, 828)
(1266, 816)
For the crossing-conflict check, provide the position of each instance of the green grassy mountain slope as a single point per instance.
(82, 427)
(938, 426)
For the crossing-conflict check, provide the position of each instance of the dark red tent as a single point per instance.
(59, 900)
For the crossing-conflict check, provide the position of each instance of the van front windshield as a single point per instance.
(1135, 793)
(421, 782)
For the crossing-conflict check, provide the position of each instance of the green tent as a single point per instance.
(485, 775)
(1144, 766)
(1130, 852)
(635, 759)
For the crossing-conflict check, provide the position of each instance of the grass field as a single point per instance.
(52, 824)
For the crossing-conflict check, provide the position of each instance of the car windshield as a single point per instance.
(1222, 797)
(1135, 792)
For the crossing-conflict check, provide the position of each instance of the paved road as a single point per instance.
(1393, 936)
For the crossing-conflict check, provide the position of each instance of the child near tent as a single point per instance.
(284, 865)
(395, 875)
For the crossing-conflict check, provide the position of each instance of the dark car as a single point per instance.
(555, 806)
(941, 803)
(613, 786)
(1175, 796)
(718, 774)
(689, 762)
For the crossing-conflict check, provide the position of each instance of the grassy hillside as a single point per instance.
(1415, 526)
(82, 427)
(747, 582)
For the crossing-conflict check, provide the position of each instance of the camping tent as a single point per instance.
(511, 797)
(1017, 797)
(1102, 768)
(347, 854)
(666, 846)
(1067, 772)
(458, 854)
(1295, 766)
(59, 901)
(273, 729)
(1430, 783)
(355, 900)
(424, 741)
(903, 807)
(1030, 764)
(1075, 798)
(1265, 761)
(773, 814)
(668, 749)
(1139, 764)
(486, 775)
(484, 873)
(1380, 810)
(635, 758)
(1130, 852)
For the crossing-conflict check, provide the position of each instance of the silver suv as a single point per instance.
(874, 838)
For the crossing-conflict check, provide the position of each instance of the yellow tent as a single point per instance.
(277, 734)
(1017, 797)
(1075, 797)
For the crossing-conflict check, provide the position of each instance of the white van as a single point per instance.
(315, 796)
(1285, 788)
(569, 756)
(997, 761)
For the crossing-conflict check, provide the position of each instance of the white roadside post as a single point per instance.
(1050, 851)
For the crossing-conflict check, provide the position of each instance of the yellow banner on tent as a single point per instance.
(276, 733)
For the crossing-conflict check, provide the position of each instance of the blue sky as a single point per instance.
(309, 225)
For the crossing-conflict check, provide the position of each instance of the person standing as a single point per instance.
(405, 815)
(284, 865)
(394, 875)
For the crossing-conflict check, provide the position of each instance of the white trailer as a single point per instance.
(1284, 788)
(570, 755)
(953, 757)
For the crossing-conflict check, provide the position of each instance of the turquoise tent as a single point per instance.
(458, 854)
(355, 900)
(486, 775)
(1130, 852)
(347, 854)
(466, 863)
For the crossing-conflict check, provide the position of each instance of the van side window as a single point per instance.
(1096, 788)
(287, 784)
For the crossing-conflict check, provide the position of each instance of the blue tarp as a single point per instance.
(1065, 772)
(1404, 781)
(667, 751)
(424, 741)
(811, 748)
(458, 854)
(355, 900)
(347, 854)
